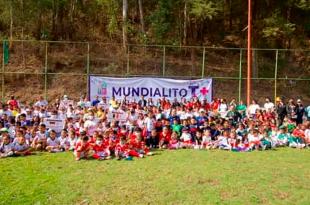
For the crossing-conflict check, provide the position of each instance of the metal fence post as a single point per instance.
(45, 73)
(275, 76)
(2, 85)
(203, 62)
(240, 75)
(87, 69)
(164, 60)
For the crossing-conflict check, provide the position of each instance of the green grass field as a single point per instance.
(170, 177)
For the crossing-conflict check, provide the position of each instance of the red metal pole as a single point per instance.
(248, 93)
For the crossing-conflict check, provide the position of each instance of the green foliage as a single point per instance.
(276, 27)
(303, 4)
(111, 7)
(204, 9)
(206, 20)
(161, 19)
(5, 15)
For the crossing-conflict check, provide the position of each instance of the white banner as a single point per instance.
(54, 124)
(117, 115)
(134, 88)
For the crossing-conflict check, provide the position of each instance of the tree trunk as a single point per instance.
(141, 16)
(230, 15)
(185, 24)
(71, 15)
(22, 35)
(11, 24)
(288, 20)
(39, 26)
(54, 20)
(125, 27)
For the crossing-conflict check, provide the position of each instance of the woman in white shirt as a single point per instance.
(252, 108)
(223, 107)
(268, 105)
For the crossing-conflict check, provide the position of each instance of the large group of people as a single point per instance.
(124, 128)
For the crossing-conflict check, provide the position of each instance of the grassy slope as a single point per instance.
(171, 177)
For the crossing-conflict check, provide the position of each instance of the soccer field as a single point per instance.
(169, 177)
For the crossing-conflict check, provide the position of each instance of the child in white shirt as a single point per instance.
(6, 147)
(53, 143)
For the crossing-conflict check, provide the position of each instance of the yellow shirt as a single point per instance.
(99, 114)
(113, 103)
(15, 113)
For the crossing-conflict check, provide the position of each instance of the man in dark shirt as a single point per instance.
(281, 111)
(95, 102)
(300, 111)
(142, 102)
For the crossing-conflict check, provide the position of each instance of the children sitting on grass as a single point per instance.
(53, 143)
(6, 147)
(96, 132)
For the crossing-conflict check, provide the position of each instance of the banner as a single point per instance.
(54, 124)
(117, 115)
(134, 88)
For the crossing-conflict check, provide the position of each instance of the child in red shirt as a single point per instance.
(174, 143)
(133, 149)
(121, 149)
(82, 149)
(101, 152)
(164, 138)
(138, 148)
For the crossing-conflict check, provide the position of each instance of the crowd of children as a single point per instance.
(124, 129)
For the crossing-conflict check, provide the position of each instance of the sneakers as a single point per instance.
(11, 153)
(129, 158)
(149, 154)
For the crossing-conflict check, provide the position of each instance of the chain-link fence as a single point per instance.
(52, 69)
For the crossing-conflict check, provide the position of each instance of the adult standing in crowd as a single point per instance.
(281, 110)
(307, 112)
(252, 109)
(300, 111)
(268, 105)
(142, 102)
(41, 102)
(12, 103)
(291, 110)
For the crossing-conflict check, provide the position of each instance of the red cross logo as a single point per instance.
(204, 91)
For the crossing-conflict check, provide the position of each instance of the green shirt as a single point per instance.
(290, 128)
(283, 136)
(293, 139)
(176, 128)
(241, 108)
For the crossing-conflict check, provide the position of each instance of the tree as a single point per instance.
(278, 29)
(276, 23)
(200, 11)
(125, 23)
(161, 20)
(111, 8)
(204, 9)
(141, 16)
